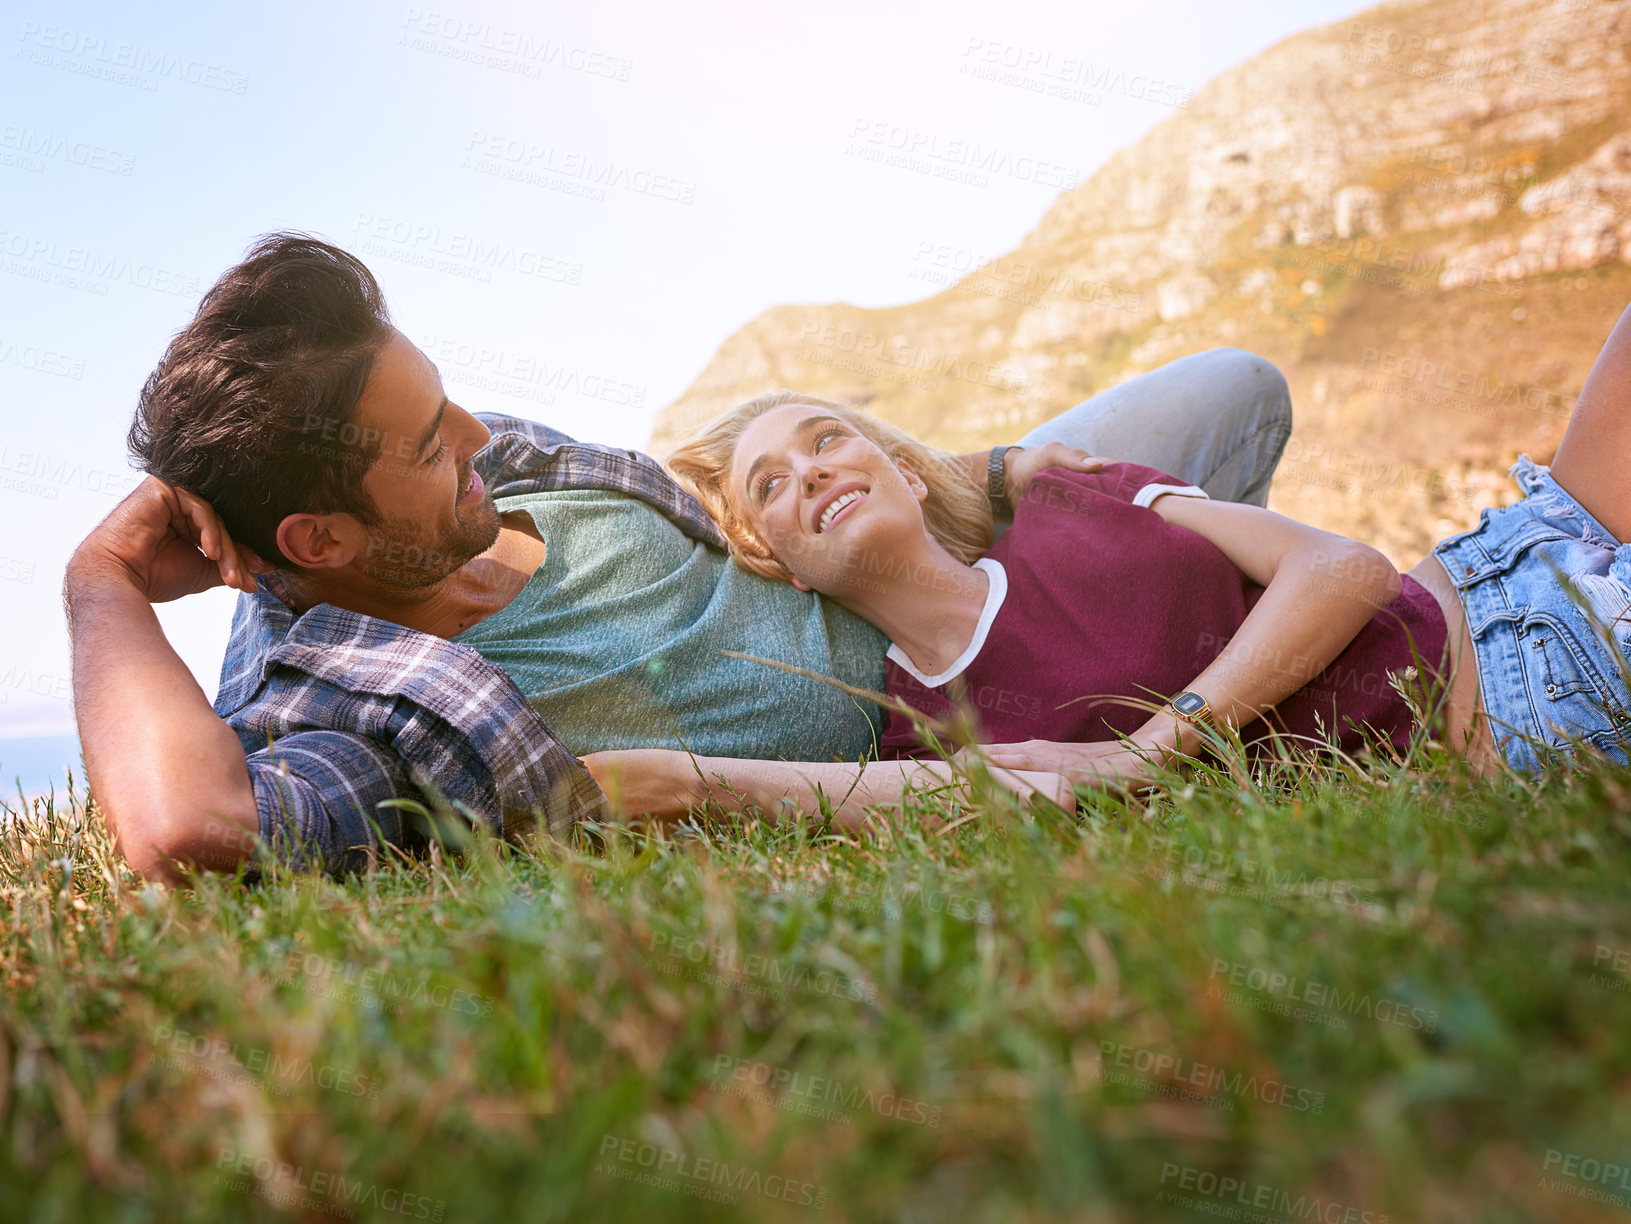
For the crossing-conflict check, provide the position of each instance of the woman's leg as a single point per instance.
(1590, 461)
(1218, 419)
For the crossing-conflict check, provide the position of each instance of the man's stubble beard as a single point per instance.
(405, 561)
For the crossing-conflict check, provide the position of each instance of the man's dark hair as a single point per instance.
(253, 406)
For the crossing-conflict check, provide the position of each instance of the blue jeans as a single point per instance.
(1547, 595)
(1218, 419)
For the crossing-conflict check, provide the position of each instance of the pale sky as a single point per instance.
(568, 207)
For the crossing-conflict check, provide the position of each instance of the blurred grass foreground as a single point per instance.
(1380, 991)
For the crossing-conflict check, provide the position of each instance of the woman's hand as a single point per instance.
(1028, 781)
(1023, 462)
(1109, 765)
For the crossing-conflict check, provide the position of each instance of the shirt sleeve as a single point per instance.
(1148, 493)
(318, 795)
(525, 457)
(1140, 486)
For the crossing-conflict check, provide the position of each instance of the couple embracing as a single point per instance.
(476, 608)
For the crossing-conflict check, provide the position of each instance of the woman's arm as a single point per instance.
(668, 785)
(1321, 589)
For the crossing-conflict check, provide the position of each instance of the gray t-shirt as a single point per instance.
(616, 641)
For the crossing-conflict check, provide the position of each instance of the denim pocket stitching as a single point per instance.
(1587, 709)
(1558, 661)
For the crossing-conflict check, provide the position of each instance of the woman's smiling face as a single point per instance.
(826, 499)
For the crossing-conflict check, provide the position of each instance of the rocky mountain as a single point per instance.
(1422, 215)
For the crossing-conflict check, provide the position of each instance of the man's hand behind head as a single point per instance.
(169, 543)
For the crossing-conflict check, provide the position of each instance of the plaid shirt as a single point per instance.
(339, 712)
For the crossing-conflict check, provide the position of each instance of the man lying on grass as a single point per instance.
(464, 606)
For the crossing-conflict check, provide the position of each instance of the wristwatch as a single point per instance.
(1193, 709)
(996, 488)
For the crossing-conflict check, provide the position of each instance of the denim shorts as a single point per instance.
(1546, 591)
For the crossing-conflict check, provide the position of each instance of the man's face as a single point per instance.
(434, 513)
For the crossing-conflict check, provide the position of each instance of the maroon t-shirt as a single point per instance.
(1106, 601)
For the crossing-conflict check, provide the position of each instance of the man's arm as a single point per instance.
(169, 775)
(171, 778)
(667, 785)
(1023, 462)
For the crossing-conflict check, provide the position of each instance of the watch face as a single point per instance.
(1190, 703)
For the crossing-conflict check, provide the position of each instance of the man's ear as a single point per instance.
(317, 541)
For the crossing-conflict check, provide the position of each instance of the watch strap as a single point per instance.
(996, 486)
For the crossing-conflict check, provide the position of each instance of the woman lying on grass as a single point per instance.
(1058, 639)
(1064, 632)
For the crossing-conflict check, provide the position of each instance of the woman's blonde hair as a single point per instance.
(956, 511)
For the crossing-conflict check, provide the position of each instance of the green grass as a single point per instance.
(1007, 1021)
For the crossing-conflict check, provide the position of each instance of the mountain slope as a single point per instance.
(1423, 215)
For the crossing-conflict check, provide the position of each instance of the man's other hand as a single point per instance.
(1021, 463)
(171, 543)
(659, 783)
